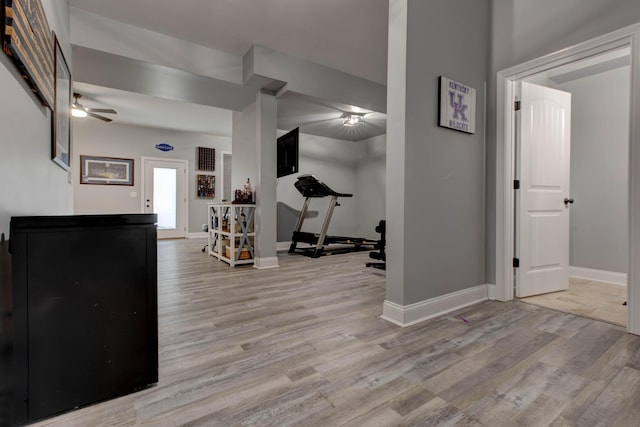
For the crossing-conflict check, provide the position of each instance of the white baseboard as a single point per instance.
(612, 277)
(424, 310)
(268, 262)
(199, 235)
(491, 292)
(283, 246)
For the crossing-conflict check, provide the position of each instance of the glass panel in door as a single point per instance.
(164, 197)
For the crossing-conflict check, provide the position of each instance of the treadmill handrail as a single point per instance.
(309, 186)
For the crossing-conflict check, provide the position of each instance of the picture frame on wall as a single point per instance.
(205, 186)
(457, 106)
(61, 115)
(106, 170)
(28, 41)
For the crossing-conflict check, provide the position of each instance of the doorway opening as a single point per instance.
(594, 238)
(164, 192)
(508, 81)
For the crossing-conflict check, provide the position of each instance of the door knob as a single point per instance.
(568, 201)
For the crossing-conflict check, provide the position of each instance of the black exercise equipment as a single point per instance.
(380, 255)
(310, 187)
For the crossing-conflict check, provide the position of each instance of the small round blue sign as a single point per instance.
(164, 147)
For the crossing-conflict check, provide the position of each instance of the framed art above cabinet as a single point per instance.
(28, 41)
(61, 116)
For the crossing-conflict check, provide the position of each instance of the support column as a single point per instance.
(395, 188)
(254, 157)
(266, 197)
(435, 175)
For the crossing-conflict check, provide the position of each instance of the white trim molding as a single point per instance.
(198, 235)
(612, 277)
(491, 292)
(424, 310)
(282, 246)
(264, 263)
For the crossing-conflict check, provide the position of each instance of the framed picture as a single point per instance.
(28, 40)
(205, 186)
(457, 106)
(61, 115)
(106, 170)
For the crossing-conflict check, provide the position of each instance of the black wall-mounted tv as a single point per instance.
(288, 153)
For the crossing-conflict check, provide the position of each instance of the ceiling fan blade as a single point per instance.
(97, 116)
(102, 110)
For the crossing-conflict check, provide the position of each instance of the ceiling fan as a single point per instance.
(78, 110)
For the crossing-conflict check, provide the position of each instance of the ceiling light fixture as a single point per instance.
(77, 110)
(353, 119)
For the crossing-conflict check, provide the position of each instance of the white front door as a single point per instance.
(164, 192)
(542, 202)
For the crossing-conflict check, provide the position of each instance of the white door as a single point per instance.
(542, 203)
(164, 192)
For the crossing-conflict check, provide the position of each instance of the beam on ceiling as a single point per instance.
(119, 72)
(263, 66)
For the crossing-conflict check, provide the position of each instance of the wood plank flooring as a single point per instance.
(598, 300)
(303, 345)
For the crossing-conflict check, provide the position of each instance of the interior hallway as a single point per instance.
(303, 344)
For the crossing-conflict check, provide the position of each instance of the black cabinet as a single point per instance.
(6, 334)
(84, 310)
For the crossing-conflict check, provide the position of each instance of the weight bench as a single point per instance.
(380, 254)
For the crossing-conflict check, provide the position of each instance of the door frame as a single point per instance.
(185, 163)
(505, 158)
(222, 154)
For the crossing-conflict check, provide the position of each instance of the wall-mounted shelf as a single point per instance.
(232, 232)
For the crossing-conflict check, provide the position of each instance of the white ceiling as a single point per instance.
(142, 110)
(347, 35)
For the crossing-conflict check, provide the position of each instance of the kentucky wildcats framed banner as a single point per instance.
(457, 106)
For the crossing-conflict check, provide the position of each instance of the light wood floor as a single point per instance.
(598, 300)
(304, 345)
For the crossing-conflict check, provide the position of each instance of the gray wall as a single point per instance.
(30, 183)
(442, 204)
(599, 170)
(245, 158)
(370, 192)
(93, 137)
(523, 30)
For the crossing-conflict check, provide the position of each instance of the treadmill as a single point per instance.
(310, 187)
